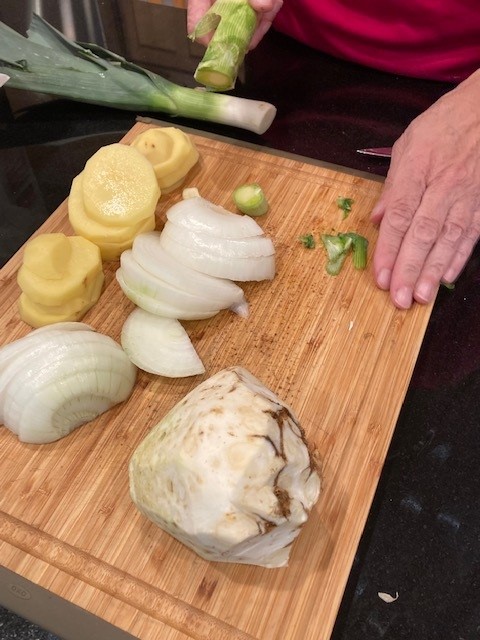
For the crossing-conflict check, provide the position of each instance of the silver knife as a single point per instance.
(379, 152)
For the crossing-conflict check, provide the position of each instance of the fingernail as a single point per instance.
(383, 278)
(449, 276)
(403, 298)
(424, 292)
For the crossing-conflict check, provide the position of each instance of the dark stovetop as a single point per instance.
(422, 538)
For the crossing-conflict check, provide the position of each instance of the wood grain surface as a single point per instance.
(333, 347)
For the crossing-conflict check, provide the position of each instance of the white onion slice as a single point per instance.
(65, 378)
(141, 280)
(158, 307)
(202, 216)
(149, 254)
(257, 247)
(10, 350)
(240, 269)
(159, 345)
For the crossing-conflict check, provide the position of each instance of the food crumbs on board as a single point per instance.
(386, 597)
(350, 325)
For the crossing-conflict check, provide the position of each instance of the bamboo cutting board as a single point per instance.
(334, 348)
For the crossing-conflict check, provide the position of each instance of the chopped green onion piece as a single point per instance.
(233, 23)
(334, 266)
(345, 204)
(336, 245)
(339, 246)
(360, 246)
(448, 285)
(308, 241)
(250, 199)
(47, 62)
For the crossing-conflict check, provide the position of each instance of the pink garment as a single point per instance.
(435, 39)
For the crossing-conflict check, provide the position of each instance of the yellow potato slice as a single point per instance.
(113, 250)
(97, 232)
(119, 186)
(48, 255)
(84, 266)
(38, 315)
(172, 153)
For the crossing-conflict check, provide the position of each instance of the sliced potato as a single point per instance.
(119, 186)
(83, 267)
(102, 234)
(38, 315)
(47, 255)
(172, 153)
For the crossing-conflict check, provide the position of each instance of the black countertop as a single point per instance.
(422, 538)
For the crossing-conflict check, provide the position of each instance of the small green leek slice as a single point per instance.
(360, 247)
(339, 246)
(233, 23)
(345, 204)
(251, 199)
(47, 62)
(308, 241)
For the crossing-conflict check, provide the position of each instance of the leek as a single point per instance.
(250, 199)
(47, 62)
(233, 23)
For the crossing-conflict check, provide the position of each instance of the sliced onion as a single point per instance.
(256, 247)
(160, 345)
(141, 280)
(202, 216)
(240, 269)
(9, 351)
(62, 380)
(149, 254)
(158, 307)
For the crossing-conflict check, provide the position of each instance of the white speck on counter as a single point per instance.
(386, 597)
(350, 325)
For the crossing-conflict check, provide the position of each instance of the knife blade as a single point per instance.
(379, 152)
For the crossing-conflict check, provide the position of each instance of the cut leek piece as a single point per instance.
(251, 199)
(47, 62)
(233, 23)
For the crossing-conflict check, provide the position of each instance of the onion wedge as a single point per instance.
(151, 285)
(256, 247)
(149, 254)
(158, 307)
(202, 216)
(61, 381)
(239, 269)
(159, 345)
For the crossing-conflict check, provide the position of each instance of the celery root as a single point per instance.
(233, 23)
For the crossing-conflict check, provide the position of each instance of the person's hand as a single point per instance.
(429, 210)
(266, 11)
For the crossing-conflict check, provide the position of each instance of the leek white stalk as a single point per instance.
(233, 23)
(60, 379)
(159, 345)
(228, 472)
(47, 62)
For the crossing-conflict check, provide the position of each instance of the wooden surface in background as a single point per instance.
(334, 348)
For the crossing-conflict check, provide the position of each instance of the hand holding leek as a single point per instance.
(229, 28)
